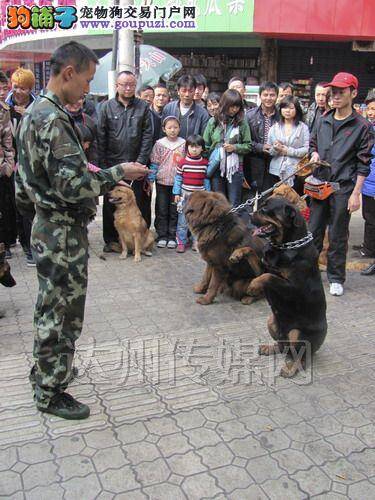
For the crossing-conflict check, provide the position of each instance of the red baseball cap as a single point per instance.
(343, 80)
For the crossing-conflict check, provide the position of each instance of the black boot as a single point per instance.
(369, 271)
(65, 406)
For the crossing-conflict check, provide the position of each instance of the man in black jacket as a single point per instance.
(318, 107)
(193, 118)
(344, 139)
(260, 119)
(124, 135)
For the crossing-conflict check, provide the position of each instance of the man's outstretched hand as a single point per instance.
(134, 171)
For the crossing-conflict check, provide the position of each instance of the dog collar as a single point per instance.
(289, 245)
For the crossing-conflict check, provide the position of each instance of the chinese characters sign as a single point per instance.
(38, 19)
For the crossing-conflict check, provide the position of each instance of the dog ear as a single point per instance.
(293, 214)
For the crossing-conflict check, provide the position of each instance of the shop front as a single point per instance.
(317, 39)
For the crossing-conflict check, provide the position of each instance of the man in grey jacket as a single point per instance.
(193, 118)
(124, 135)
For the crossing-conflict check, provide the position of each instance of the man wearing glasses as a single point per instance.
(124, 135)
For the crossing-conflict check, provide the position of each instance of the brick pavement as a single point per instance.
(182, 407)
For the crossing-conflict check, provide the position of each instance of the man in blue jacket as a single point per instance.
(368, 196)
(343, 138)
(193, 118)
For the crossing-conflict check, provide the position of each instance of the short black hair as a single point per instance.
(213, 96)
(126, 72)
(286, 85)
(195, 140)
(186, 81)
(200, 80)
(236, 79)
(3, 78)
(268, 86)
(160, 85)
(74, 53)
(285, 103)
(146, 87)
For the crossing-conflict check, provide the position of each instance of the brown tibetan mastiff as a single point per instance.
(232, 254)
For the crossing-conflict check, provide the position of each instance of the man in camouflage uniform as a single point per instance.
(6, 163)
(54, 177)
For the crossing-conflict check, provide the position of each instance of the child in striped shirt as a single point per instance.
(190, 177)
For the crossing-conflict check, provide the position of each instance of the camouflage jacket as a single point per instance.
(52, 165)
(6, 142)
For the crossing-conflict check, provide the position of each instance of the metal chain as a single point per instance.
(257, 197)
(294, 244)
(247, 203)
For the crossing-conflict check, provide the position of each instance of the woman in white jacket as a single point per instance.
(288, 140)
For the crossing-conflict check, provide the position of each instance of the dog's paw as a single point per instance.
(289, 370)
(247, 300)
(199, 288)
(137, 258)
(268, 349)
(236, 256)
(256, 286)
(204, 301)
(254, 289)
(123, 256)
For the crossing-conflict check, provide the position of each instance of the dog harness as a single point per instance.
(290, 245)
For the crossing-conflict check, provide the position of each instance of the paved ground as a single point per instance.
(182, 407)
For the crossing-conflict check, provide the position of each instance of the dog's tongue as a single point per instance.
(257, 231)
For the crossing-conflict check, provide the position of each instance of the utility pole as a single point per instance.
(122, 51)
(125, 60)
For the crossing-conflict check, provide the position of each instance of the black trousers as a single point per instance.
(144, 204)
(368, 213)
(24, 225)
(332, 212)
(165, 213)
(8, 223)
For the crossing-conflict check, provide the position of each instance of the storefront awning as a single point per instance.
(334, 20)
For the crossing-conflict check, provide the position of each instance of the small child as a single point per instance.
(190, 177)
(165, 155)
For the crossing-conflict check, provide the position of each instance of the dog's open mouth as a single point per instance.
(114, 200)
(264, 231)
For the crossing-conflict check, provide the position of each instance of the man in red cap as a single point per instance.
(344, 139)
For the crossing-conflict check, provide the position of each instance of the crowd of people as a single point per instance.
(62, 152)
(244, 148)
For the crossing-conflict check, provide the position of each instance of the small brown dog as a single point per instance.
(291, 195)
(130, 225)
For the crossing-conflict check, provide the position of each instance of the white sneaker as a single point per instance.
(172, 244)
(161, 243)
(336, 289)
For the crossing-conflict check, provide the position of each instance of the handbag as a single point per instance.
(320, 190)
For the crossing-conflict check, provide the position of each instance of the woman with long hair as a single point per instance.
(289, 141)
(227, 138)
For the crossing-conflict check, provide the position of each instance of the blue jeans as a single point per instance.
(182, 226)
(232, 190)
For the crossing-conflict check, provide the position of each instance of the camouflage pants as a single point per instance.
(60, 252)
